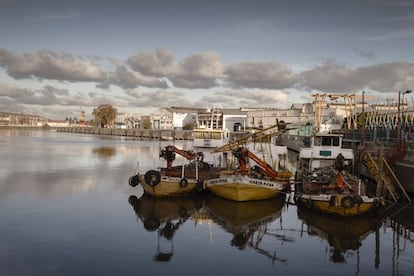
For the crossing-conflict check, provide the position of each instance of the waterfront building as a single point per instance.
(297, 114)
(127, 120)
(234, 120)
(21, 119)
(59, 123)
(219, 118)
(174, 118)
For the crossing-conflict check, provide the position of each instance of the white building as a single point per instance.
(176, 118)
(234, 120)
(127, 120)
(298, 114)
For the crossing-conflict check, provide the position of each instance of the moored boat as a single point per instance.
(248, 183)
(343, 205)
(321, 151)
(334, 191)
(246, 188)
(325, 179)
(176, 180)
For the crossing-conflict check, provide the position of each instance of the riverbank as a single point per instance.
(144, 134)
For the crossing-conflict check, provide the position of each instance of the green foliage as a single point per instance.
(104, 115)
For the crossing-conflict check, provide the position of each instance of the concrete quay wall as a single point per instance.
(144, 134)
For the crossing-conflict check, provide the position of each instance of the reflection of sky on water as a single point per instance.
(52, 163)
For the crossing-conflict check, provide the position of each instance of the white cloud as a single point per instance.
(50, 65)
(157, 80)
(196, 71)
(384, 77)
(266, 75)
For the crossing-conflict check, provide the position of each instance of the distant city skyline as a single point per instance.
(57, 56)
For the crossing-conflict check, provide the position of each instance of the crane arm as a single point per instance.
(266, 168)
(188, 154)
(242, 153)
(169, 155)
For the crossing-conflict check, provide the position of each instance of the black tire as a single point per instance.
(183, 183)
(152, 177)
(348, 202)
(134, 180)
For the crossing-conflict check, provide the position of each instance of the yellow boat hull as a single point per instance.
(339, 204)
(169, 187)
(244, 188)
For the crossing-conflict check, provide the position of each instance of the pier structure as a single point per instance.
(143, 134)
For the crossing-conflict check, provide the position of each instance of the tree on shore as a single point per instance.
(147, 124)
(104, 115)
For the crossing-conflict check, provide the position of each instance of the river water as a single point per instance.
(66, 209)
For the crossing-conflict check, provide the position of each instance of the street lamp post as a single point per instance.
(399, 121)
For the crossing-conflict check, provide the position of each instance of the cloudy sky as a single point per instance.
(58, 55)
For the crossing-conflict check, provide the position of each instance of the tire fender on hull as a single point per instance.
(134, 180)
(152, 177)
(348, 202)
(183, 183)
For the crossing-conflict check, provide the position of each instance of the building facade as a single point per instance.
(21, 119)
(128, 120)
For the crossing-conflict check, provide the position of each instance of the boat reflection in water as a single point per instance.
(164, 215)
(104, 151)
(342, 234)
(248, 221)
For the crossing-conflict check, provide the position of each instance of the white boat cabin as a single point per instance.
(323, 150)
(210, 138)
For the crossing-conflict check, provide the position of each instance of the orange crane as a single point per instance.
(242, 154)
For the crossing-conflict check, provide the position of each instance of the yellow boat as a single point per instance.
(239, 187)
(177, 180)
(158, 183)
(335, 192)
(344, 205)
(249, 183)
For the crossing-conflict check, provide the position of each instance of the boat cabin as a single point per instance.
(210, 138)
(322, 150)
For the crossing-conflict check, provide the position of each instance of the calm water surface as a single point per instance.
(66, 209)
